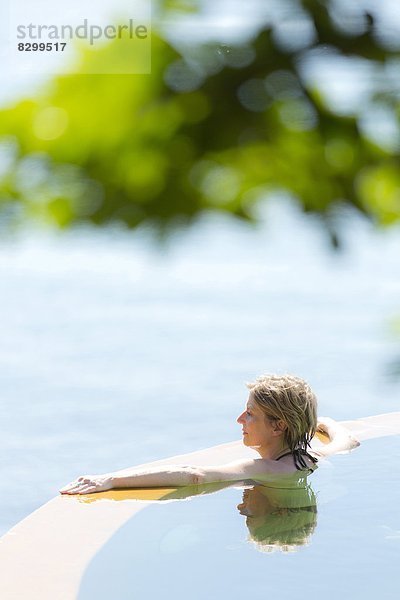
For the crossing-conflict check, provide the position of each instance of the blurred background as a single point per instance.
(167, 237)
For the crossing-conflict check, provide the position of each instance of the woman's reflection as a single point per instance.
(279, 518)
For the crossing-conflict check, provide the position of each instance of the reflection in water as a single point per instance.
(279, 518)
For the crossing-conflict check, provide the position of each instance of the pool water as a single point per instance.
(338, 538)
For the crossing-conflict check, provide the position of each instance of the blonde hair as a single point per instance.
(291, 400)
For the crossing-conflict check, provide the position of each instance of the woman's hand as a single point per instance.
(341, 439)
(327, 426)
(87, 484)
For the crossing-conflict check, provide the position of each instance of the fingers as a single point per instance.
(86, 489)
(82, 485)
(69, 487)
(79, 489)
(74, 484)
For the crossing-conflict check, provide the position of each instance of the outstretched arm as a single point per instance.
(168, 476)
(175, 476)
(341, 439)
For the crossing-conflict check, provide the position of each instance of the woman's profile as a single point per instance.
(279, 423)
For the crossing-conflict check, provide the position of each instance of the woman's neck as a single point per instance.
(272, 451)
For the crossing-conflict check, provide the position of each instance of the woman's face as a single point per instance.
(256, 428)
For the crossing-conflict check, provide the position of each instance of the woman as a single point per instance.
(279, 422)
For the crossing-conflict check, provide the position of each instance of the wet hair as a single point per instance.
(290, 399)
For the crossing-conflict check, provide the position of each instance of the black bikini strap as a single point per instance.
(283, 455)
(298, 457)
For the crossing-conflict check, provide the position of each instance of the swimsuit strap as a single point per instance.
(283, 455)
(298, 457)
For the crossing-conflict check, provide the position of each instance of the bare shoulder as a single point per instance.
(265, 466)
(255, 469)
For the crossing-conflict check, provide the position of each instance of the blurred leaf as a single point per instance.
(214, 127)
(185, 6)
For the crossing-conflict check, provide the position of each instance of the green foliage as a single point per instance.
(214, 127)
(186, 6)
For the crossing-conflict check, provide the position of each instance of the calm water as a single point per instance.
(113, 352)
(348, 546)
